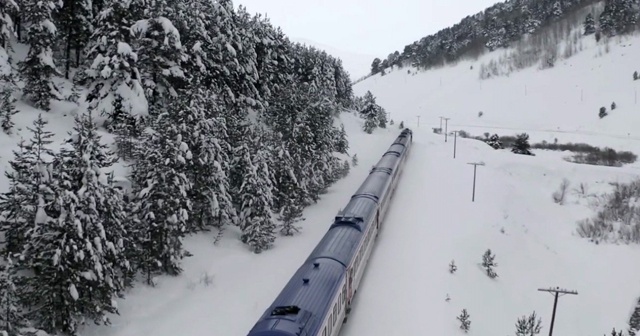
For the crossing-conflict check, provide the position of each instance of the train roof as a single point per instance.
(302, 302)
(373, 185)
(341, 242)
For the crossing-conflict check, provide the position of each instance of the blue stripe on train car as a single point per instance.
(299, 308)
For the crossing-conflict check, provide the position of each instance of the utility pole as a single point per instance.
(475, 166)
(455, 137)
(446, 120)
(418, 121)
(441, 123)
(556, 292)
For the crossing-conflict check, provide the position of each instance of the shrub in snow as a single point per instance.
(401, 125)
(603, 112)
(465, 323)
(494, 141)
(617, 218)
(615, 333)
(488, 263)
(635, 75)
(528, 326)
(354, 160)
(613, 106)
(452, 267)
(560, 194)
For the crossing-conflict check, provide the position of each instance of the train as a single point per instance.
(318, 298)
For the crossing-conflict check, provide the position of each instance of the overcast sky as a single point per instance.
(373, 27)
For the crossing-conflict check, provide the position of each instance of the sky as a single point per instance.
(370, 27)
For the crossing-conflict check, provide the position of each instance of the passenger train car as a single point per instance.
(317, 299)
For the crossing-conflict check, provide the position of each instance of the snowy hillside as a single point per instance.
(562, 102)
(358, 65)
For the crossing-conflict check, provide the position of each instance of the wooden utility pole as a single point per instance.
(455, 137)
(446, 121)
(475, 166)
(441, 123)
(557, 291)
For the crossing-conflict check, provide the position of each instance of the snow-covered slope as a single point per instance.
(358, 65)
(561, 102)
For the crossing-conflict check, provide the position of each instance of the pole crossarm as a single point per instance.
(558, 290)
(556, 293)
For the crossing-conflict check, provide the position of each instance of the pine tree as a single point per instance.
(488, 263)
(465, 323)
(7, 108)
(528, 326)
(452, 267)
(11, 318)
(256, 196)
(39, 68)
(198, 117)
(92, 218)
(114, 81)
(370, 112)
(521, 145)
(76, 22)
(7, 75)
(159, 58)
(27, 181)
(589, 24)
(162, 202)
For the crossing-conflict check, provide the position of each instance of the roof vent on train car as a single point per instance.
(305, 281)
(316, 264)
(285, 310)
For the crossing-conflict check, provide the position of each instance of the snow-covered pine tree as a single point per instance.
(370, 112)
(197, 114)
(160, 56)
(256, 218)
(18, 204)
(38, 68)
(7, 103)
(7, 76)
(288, 194)
(162, 203)
(11, 318)
(92, 218)
(75, 21)
(28, 179)
(589, 25)
(113, 77)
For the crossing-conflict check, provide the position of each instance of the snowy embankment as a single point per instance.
(433, 222)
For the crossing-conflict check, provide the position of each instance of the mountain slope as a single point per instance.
(562, 102)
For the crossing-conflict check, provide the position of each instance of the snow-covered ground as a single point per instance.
(224, 288)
